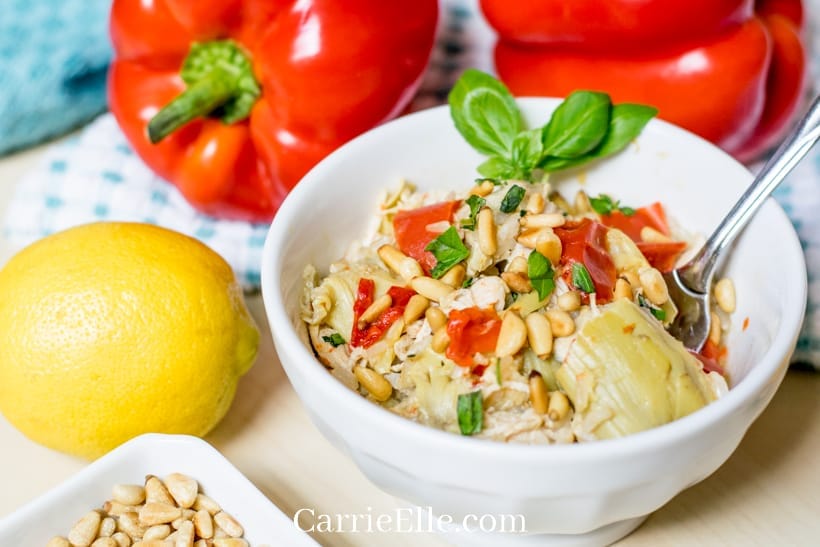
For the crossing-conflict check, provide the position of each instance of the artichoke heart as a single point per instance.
(624, 365)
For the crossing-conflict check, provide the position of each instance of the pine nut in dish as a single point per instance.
(512, 336)
(440, 340)
(539, 334)
(535, 204)
(725, 295)
(379, 388)
(400, 263)
(415, 308)
(560, 322)
(539, 397)
(435, 317)
(569, 301)
(654, 287)
(454, 276)
(430, 288)
(486, 232)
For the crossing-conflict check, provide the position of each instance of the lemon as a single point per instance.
(110, 330)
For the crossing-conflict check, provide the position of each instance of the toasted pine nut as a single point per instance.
(622, 289)
(539, 334)
(122, 539)
(549, 245)
(128, 494)
(415, 308)
(517, 282)
(454, 276)
(483, 190)
(107, 527)
(654, 287)
(430, 288)
(529, 237)
(158, 513)
(539, 397)
(400, 263)
(559, 201)
(632, 278)
(155, 491)
(559, 406)
(84, 532)
(715, 329)
(153, 543)
(512, 336)
(543, 220)
(441, 339)
(104, 542)
(115, 508)
(373, 311)
(185, 535)
(129, 523)
(436, 318)
(176, 523)
(205, 502)
(159, 531)
(373, 382)
(561, 323)
(651, 235)
(518, 265)
(229, 524)
(725, 295)
(58, 541)
(486, 232)
(183, 488)
(203, 524)
(230, 542)
(582, 204)
(569, 301)
(535, 204)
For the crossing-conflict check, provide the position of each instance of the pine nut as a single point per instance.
(539, 397)
(158, 513)
(560, 202)
(539, 334)
(128, 494)
(535, 204)
(202, 543)
(153, 543)
(372, 312)
(725, 295)
(622, 289)
(230, 542)
(512, 336)
(176, 523)
(430, 288)
(104, 542)
(436, 318)
(84, 532)
(715, 329)
(654, 287)
(559, 406)
(204, 524)
(651, 235)
(561, 323)
(549, 245)
(454, 276)
(115, 508)
(122, 539)
(159, 531)
(58, 541)
(518, 265)
(185, 535)
(440, 341)
(155, 491)
(107, 527)
(415, 308)
(529, 237)
(543, 220)
(229, 524)
(632, 278)
(205, 502)
(182, 488)
(484, 189)
(517, 282)
(129, 523)
(407, 267)
(569, 301)
(582, 204)
(379, 388)
(486, 232)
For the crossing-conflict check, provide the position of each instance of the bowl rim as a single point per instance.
(289, 344)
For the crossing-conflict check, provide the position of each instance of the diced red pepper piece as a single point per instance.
(584, 242)
(412, 235)
(471, 330)
(373, 332)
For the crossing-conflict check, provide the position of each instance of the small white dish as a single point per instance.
(55, 512)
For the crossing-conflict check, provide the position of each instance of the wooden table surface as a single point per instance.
(768, 493)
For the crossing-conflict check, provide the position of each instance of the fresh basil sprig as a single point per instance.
(512, 199)
(448, 249)
(470, 410)
(584, 127)
(541, 274)
(475, 203)
(605, 205)
(581, 278)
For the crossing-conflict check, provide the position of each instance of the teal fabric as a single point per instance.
(53, 60)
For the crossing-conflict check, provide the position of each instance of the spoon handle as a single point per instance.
(697, 273)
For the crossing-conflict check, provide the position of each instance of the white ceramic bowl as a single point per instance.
(589, 493)
(55, 512)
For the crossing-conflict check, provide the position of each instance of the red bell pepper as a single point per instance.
(372, 333)
(412, 235)
(584, 242)
(471, 331)
(234, 100)
(732, 71)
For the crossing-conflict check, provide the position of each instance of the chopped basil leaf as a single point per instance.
(470, 408)
(334, 340)
(658, 313)
(475, 203)
(448, 250)
(512, 199)
(467, 282)
(498, 371)
(581, 278)
(522, 212)
(604, 205)
(628, 211)
(541, 274)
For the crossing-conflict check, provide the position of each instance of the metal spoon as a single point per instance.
(689, 285)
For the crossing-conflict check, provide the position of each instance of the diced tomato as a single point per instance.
(584, 242)
(712, 357)
(471, 330)
(662, 256)
(373, 332)
(411, 231)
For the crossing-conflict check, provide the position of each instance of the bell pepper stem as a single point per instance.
(198, 100)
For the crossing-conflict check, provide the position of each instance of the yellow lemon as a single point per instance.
(110, 330)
